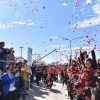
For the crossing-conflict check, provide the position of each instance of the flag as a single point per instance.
(29, 57)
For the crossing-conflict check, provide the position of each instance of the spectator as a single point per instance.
(8, 88)
(24, 75)
(3, 55)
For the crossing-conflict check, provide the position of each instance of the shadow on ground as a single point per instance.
(40, 91)
(55, 91)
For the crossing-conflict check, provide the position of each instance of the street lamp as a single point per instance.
(21, 51)
(70, 41)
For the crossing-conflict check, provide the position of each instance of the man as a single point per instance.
(11, 57)
(38, 73)
(3, 55)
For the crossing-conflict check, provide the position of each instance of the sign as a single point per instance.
(29, 57)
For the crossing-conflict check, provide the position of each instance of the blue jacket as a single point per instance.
(6, 81)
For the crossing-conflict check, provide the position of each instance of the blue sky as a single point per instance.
(33, 23)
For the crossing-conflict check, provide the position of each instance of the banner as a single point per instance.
(29, 57)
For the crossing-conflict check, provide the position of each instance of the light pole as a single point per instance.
(21, 51)
(70, 41)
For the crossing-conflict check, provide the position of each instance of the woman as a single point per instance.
(89, 78)
(8, 88)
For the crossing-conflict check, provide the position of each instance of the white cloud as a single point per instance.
(3, 26)
(88, 1)
(86, 23)
(30, 24)
(57, 46)
(55, 37)
(75, 48)
(18, 23)
(65, 4)
(92, 21)
(11, 24)
(96, 8)
(82, 48)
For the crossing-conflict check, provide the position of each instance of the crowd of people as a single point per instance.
(81, 76)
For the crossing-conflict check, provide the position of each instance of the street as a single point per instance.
(42, 93)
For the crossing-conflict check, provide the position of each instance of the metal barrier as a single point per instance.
(7, 61)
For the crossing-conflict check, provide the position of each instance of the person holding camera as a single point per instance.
(3, 55)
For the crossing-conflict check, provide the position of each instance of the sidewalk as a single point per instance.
(42, 93)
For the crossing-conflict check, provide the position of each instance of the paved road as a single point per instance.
(42, 93)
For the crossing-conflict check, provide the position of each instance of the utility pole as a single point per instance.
(21, 51)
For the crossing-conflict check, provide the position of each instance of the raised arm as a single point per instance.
(94, 60)
(82, 58)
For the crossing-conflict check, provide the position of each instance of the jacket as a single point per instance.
(6, 81)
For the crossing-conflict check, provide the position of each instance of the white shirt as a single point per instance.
(12, 85)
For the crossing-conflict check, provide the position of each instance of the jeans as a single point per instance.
(24, 88)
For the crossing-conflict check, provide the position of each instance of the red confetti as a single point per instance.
(87, 36)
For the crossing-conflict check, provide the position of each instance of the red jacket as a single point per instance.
(87, 77)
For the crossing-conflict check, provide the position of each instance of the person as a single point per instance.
(15, 72)
(70, 89)
(56, 74)
(8, 88)
(49, 81)
(65, 77)
(98, 75)
(11, 57)
(38, 73)
(80, 93)
(3, 55)
(62, 76)
(24, 75)
(0, 85)
(33, 67)
(44, 75)
(89, 77)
